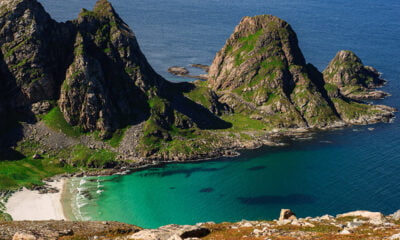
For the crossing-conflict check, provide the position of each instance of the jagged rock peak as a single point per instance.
(102, 8)
(347, 68)
(355, 80)
(255, 40)
(262, 66)
(33, 50)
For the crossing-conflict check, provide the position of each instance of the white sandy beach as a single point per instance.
(30, 205)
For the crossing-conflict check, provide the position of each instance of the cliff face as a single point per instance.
(353, 78)
(33, 50)
(92, 65)
(262, 71)
(106, 84)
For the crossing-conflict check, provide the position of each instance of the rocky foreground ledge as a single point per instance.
(352, 225)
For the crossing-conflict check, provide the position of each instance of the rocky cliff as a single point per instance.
(262, 71)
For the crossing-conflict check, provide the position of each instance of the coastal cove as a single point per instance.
(332, 172)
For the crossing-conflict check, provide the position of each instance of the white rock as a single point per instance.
(326, 217)
(175, 237)
(395, 237)
(23, 236)
(307, 224)
(345, 232)
(247, 224)
(365, 214)
(354, 224)
(396, 215)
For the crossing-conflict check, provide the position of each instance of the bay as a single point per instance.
(338, 171)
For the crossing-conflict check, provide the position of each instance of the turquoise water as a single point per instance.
(338, 171)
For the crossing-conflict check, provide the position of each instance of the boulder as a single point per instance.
(171, 232)
(23, 236)
(376, 216)
(287, 214)
(396, 215)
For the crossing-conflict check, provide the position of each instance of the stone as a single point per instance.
(327, 217)
(23, 236)
(247, 224)
(179, 71)
(287, 214)
(396, 215)
(175, 237)
(36, 156)
(171, 232)
(354, 224)
(364, 214)
(345, 232)
(395, 237)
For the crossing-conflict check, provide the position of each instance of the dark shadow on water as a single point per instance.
(172, 188)
(256, 168)
(169, 172)
(276, 199)
(206, 190)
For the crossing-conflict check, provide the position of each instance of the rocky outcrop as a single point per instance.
(353, 225)
(171, 232)
(106, 84)
(262, 71)
(34, 51)
(348, 73)
(36, 230)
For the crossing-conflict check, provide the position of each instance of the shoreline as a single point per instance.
(30, 205)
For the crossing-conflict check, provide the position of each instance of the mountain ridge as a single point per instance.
(82, 94)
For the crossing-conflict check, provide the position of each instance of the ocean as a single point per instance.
(335, 172)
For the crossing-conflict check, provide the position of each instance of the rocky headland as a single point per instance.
(352, 225)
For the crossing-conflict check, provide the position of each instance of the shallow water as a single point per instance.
(336, 172)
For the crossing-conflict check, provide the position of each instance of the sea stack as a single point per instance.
(261, 70)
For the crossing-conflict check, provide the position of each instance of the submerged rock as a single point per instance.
(179, 71)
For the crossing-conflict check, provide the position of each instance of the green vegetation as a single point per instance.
(84, 157)
(116, 137)
(243, 122)
(331, 88)
(247, 45)
(5, 217)
(29, 172)
(353, 110)
(200, 95)
(55, 120)
(12, 50)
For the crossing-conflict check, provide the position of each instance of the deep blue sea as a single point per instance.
(355, 168)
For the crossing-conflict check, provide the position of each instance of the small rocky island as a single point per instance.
(81, 94)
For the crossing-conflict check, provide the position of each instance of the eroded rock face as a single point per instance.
(262, 64)
(34, 52)
(106, 84)
(354, 80)
(92, 65)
